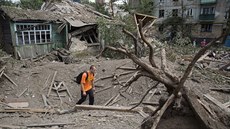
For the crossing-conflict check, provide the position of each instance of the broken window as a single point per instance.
(206, 28)
(32, 33)
(89, 36)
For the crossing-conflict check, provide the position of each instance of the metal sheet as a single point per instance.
(75, 22)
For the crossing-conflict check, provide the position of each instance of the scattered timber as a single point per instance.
(49, 124)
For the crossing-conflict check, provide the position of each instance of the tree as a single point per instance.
(31, 4)
(7, 3)
(144, 7)
(160, 74)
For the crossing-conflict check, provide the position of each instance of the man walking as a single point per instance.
(87, 86)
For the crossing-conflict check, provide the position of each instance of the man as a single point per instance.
(203, 43)
(87, 86)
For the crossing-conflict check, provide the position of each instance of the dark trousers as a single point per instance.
(83, 97)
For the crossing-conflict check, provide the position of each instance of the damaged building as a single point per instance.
(66, 24)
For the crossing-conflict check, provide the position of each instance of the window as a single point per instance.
(32, 34)
(161, 13)
(208, 10)
(189, 12)
(175, 12)
(206, 28)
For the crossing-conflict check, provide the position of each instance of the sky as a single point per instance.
(15, 0)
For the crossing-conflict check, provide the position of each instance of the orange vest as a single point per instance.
(87, 83)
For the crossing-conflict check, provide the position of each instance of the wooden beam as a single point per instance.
(11, 127)
(216, 102)
(51, 85)
(22, 92)
(227, 104)
(110, 108)
(29, 110)
(10, 80)
(68, 91)
(201, 113)
(49, 124)
(81, 30)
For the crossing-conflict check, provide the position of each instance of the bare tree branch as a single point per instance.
(129, 33)
(193, 62)
(151, 49)
(145, 95)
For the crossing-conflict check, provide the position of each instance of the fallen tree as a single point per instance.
(162, 74)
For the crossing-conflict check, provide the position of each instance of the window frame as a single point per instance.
(206, 27)
(161, 13)
(36, 33)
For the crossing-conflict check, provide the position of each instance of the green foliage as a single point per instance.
(31, 4)
(98, 7)
(112, 36)
(146, 7)
(7, 3)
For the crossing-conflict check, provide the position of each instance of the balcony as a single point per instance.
(207, 17)
(207, 1)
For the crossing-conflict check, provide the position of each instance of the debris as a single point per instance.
(22, 92)
(49, 124)
(217, 103)
(10, 80)
(51, 85)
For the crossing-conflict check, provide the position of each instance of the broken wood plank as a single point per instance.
(22, 104)
(46, 82)
(5, 104)
(201, 113)
(51, 85)
(227, 104)
(225, 66)
(114, 100)
(146, 103)
(1, 74)
(107, 102)
(71, 98)
(106, 88)
(29, 110)
(49, 124)
(143, 114)
(2, 69)
(22, 92)
(126, 68)
(110, 108)
(151, 95)
(225, 90)
(206, 106)
(10, 79)
(216, 102)
(44, 100)
(11, 127)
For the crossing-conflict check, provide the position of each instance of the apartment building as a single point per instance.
(207, 17)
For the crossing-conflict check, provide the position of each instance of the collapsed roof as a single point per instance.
(74, 13)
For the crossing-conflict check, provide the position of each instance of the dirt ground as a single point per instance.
(33, 75)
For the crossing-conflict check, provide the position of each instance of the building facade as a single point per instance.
(207, 17)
